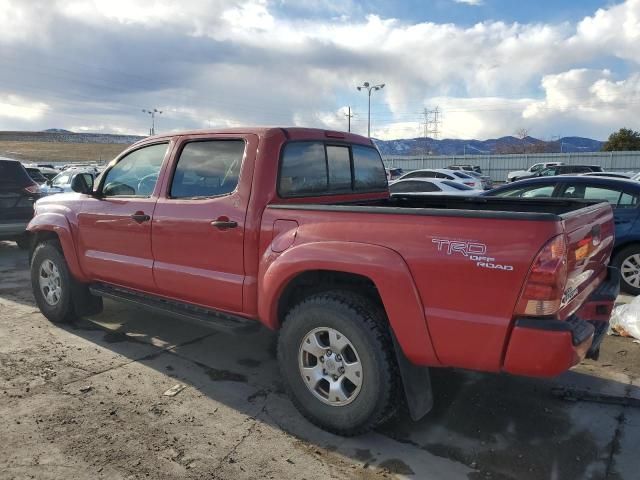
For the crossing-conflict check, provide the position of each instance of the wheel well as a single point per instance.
(316, 281)
(41, 236)
(621, 247)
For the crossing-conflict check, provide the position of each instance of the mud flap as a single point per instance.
(416, 382)
(84, 303)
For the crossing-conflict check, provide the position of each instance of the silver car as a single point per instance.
(61, 183)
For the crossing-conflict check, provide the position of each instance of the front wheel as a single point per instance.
(337, 359)
(628, 261)
(51, 283)
(59, 296)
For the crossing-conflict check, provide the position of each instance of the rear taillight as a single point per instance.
(32, 189)
(545, 284)
(469, 184)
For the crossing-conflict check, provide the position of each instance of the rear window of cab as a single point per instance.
(319, 168)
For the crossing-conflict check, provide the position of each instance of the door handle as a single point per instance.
(140, 217)
(223, 223)
(619, 222)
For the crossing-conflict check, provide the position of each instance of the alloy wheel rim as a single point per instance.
(50, 282)
(330, 366)
(630, 270)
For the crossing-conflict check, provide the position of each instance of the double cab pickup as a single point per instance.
(294, 228)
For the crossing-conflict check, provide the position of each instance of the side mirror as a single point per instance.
(79, 184)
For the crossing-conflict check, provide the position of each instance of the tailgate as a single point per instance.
(590, 237)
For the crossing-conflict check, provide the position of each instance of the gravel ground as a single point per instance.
(86, 401)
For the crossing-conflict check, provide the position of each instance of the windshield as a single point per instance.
(61, 180)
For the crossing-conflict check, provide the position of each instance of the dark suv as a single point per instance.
(567, 170)
(18, 192)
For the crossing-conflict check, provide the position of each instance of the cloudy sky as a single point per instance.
(554, 67)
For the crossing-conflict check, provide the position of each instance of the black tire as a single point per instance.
(24, 242)
(75, 299)
(364, 324)
(618, 260)
(62, 311)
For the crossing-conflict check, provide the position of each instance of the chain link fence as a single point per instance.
(498, 166)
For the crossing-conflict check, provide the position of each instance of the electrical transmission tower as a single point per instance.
(431, 124)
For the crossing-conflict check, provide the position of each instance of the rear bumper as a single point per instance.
(544, 347)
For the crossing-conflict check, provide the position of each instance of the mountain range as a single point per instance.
(401, 147)
(503, 145)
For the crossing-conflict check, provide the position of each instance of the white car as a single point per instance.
(443, 174)
(61, 183)
(430, 186)
(531, 171)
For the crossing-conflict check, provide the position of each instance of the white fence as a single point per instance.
(497, 166)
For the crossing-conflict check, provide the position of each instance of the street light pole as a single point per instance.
(370, 88)
(153, 112)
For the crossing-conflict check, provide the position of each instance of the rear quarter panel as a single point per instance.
(468, 308)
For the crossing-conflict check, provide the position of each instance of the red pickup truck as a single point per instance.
(294, 228)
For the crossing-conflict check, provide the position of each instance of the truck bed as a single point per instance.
(551, 209)
(468, 305)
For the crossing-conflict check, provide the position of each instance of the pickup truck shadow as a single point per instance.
(14, 273)
(482, 424)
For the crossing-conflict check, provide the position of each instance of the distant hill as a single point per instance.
(407, 146)
(65, 136)
(503, 145)
(57, 130)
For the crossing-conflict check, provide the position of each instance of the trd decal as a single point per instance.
(476, 252)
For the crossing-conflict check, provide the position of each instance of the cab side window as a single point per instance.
(136, 174)
(207, 169)
(317, 168)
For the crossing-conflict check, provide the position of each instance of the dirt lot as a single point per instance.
(60, 152)
(86, 401)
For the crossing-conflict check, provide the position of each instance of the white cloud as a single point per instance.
(217, 62)
(15, 107)
(470, 2)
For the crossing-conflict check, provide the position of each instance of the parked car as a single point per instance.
(466, 168)
(531, 171)
(487, 183)
(62, 182)
(567, 170)
(18, 192)
(47, 165)
(454, 175)
(622, 194)
(36, 175)
(394, 173)
(430, 186)
(363, 289)
(49, 173)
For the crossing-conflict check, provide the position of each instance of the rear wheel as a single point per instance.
(337, 359)
(628, 261)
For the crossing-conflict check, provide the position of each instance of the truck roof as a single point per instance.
(291, 133)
